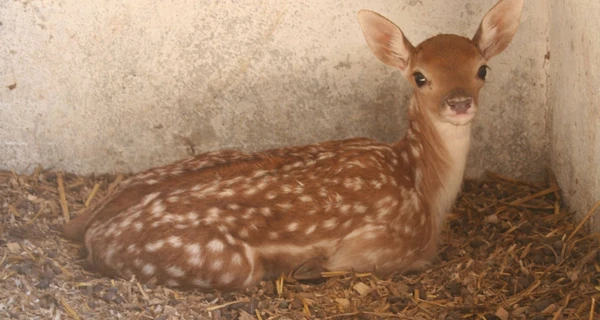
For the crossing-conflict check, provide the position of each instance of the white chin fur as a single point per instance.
(460, 119)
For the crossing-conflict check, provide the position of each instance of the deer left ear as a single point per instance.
(498, 27)
(385, 39)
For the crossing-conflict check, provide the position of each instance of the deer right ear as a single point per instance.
(385, 39)
(498, 27)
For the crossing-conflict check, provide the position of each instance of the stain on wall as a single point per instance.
(122, 86)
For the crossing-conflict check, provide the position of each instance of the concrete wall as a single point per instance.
(574, 102)
(104, 86)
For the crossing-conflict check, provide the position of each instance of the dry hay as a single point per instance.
(510, 251)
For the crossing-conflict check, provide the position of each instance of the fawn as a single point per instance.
(225, 220)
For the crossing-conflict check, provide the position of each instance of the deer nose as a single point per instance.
(459, 105)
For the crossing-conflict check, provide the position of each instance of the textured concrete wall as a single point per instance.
(104, 86)
(574, 100)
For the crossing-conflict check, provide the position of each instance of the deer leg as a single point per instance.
(310, 269)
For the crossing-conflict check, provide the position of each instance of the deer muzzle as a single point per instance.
(459, 101)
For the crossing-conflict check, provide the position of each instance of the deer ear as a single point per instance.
(498, 27)
(385, 39)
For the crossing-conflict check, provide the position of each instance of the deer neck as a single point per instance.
(438, 152)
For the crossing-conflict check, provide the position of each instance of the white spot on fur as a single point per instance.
(193, 249)
(216, 264)
(175, 271)
(132, 248)
(404, 156)
(354, 184)
(227, 278)
(298, 189)
(126, 222)
(259, 173)
(196, 260)
(326, 155)
(415, 150)
(172, 283)
(305, 198)
(286, 188)
(158, 208)
(270, 195)
(292, 227)
(213, 215)
(376, 184)
(141, 176)
(382, 212)
(175, 241)
(192, 216)
(233, 206)
(364, 231)
(148, 269)
(418, 176)
(236, 259)
(323, 193)
(250, 191)
(359, 208)
(230, 219)
(311, 229)
(223, 228)
(230, 239)
(345, 208)
(167, 218)
(347, 223)
(152, 247)
(416, 202)
(215, 245)
(201, 283)
(226, 193)
(330, 223)
(110, 252)
(265, 211)
(234, 180)
(262, 185)
(177, 192)
(285, 205)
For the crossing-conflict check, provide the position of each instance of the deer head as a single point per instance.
(447, 71)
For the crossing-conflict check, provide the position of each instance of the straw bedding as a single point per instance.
(510, 251)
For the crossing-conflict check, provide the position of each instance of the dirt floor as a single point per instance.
(510, 251)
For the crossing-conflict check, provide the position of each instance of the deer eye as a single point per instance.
(482, 72)
(420, 79)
